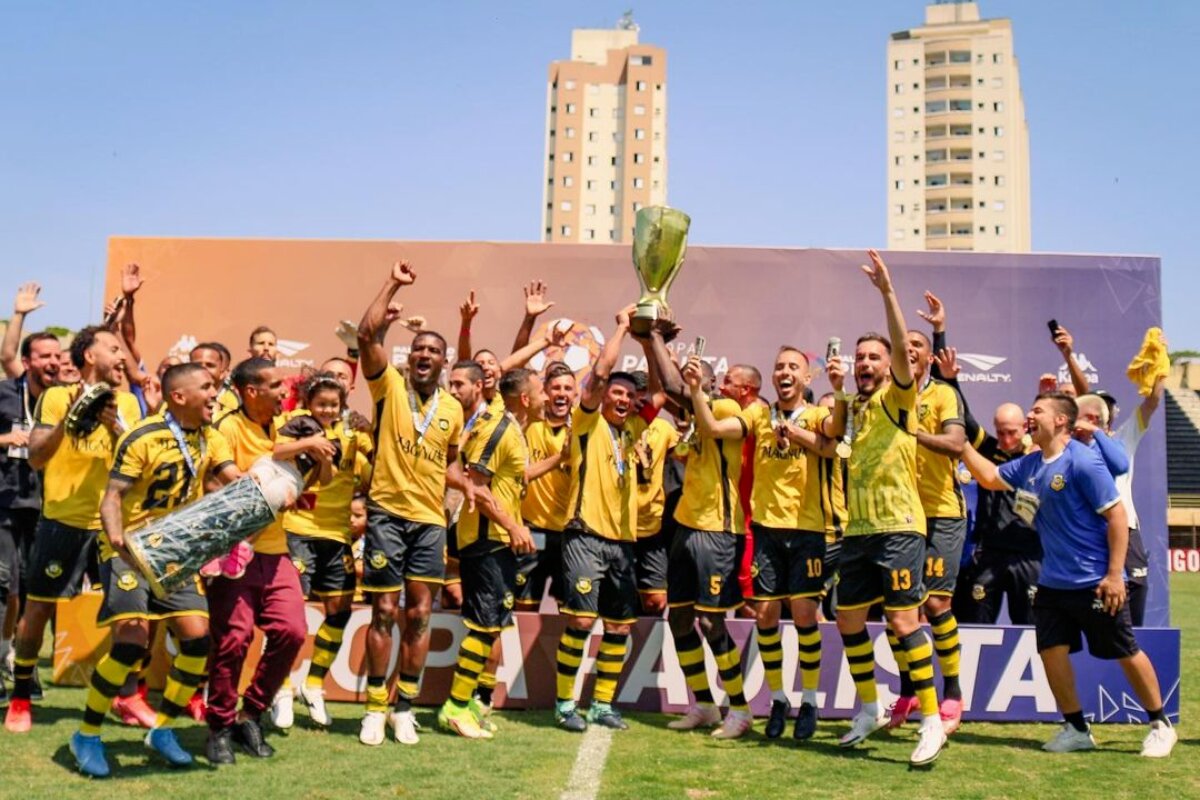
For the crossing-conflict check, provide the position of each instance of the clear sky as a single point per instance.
(425, 121)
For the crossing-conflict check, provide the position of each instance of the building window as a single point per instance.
(570, 108)
(591, 185)
(935, 107)
(552, 133)
(999, 180)
(898, 88)
(639, 158)
(612, 185)
(565, 230)
(639, 110)
(565, 205)
(655, 184)
(999, 230)
(657, 135)
(657, 111)
(638, 183)
(612, 210)
(898, 64)
(593, 112)
(898, 233)
(612, 236)
(568, 157)
(997, 106)
(899, 184)
(641, 86)
(898, 160)
(639, 133)
(657, 159)
(997, 83)
(641, 61)
(593, 89)
(592, 136)
(589, 233)
(616, 161)
(569, 133)
(998, 205)
(899, 209)
(591, 161)
(898, 136)
(998, 130)
(960, 56)
(590, 209)
(998, 155)
(982, 229)
(570, 85)
(568, 180)
(897, 112)
(997, 58)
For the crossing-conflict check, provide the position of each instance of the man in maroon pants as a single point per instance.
(267, 595)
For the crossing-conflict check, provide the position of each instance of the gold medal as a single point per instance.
(843, 450)
(621, 482)
(964, 474)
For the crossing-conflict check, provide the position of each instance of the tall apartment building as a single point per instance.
(606, 136)
(958, 144)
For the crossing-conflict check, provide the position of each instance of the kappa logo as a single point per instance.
(183, 348)
(1085, 364)
(984, 366)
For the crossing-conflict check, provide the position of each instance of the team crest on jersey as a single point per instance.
(754, 570)
(1057, 483)
(923, 410)
(379, 559)
(508, 600)
(521, 579)
(154, 540)
(583, 585)
(444, 424)
(299, 566)
(53, 569)
(127, 581)
(978, 592)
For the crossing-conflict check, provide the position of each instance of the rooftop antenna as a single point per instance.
(626, 23)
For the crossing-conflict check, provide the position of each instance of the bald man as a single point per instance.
(1008, 553)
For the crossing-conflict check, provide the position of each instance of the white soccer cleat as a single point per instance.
(404, 725)
(1068, 740)
(863, 725)
(1160, 741)
(735, 725)
(283, 712)
(932, 741)
(314, 699)
(698, 716)
(374, 728)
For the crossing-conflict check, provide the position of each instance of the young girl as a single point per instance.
(318, 532)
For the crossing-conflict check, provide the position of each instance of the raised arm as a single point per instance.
(131, 282)
(26, 303)
(936, 317)
(706, 422)
(1066, 345)
(1150, 404)
(833, 427)
(467, 311)
(1114, 455)
(878, 273)
(660, 363)
(555, 337)
(593, 390)
(535, 305)
(378, 318)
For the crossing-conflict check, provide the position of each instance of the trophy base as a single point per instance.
(642, 321)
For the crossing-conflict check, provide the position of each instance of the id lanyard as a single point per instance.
(177, 431)
(28, 421)
(474, 418)
(422, 425)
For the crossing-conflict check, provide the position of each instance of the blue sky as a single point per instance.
(364, 120)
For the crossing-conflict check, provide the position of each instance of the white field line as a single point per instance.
(584, 782)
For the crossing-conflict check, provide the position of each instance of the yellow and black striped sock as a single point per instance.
(609, 662)
(377, 693)
(808, 643)
(920, 665)
(569, 657)
(770, 647)
(949, 651)
(472, 656)
(729, 665)
(107, 680)
(906, 685)
(407, 688)
(325, 648)
(187, 672)
(23, 669)
(689, 649)
(487, 685)
(860, 655)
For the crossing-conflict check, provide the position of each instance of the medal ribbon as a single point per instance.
(618, 452)
(177, 431)
(422, 425)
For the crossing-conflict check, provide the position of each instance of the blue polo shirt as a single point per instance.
(1073, 490)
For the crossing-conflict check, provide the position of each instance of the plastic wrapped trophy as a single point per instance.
(170, 550)
(659, 246)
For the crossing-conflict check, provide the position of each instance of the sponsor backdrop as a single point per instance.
(1002, 676)
(745, 301)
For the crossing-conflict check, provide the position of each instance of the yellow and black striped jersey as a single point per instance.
(882, 493)
(710, 499)
(938, 405)
(505, 465)
(545, 504)
(602, 497)
(327, 512)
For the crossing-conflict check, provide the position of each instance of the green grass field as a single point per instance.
(531, 759)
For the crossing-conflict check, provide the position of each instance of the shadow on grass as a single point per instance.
(122, 753)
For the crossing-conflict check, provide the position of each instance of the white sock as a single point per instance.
(871, 708)
(780, 695)
(810, 697)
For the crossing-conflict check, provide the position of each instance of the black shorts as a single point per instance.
(61, 557)
(650, 554)
(703, 569)
(787, 564)
(326, 566)
(127, 595)
(881, 567)
(534, 569)
(488, 582)
(998, 574)
(1064, 616)
(1137, 563)
(833, 555)
(598, 578)
(16, 535)
(397, 551)
(943, 554)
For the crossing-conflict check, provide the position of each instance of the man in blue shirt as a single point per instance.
(1066, 492)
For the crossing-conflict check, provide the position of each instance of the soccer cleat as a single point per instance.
(1160, 740)
(219, 747)
(863, 725)
(249, 735)
(567, 715)
(313, 698)
(698, 716)
(460, 720)
(196, 707)
(1068, 740)
(482, 713)
(164, 742)
(778, 719)
(929, 745)
(283, 711)
(605, 715)
(19, 718)
(806, 722)
(951, 713)
(901, 710)
(735, 725)
(133, 711)
(374, 728)
(89, 755)
(404, 727)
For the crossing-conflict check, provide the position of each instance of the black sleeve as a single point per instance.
(939, 344)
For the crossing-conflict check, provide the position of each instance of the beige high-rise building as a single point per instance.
(958, 144)
(606, 136)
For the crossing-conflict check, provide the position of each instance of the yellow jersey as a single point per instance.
(788, 489)
(602, 498)
(710, 499)
(227, 400)
(329, 515)
(882, 492)
(249, 442)
(938, 405)
(409, 477)
(505, 465)
(660, 436)
(75, 477)
(545, 504)
(160, 478)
